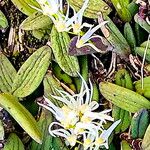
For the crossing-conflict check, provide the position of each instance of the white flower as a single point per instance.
(102, 138)
(69, 135)
(75, 22)
(72, 135)
(75, 107)
(67, 117)
(81, 42)
(54, 9)
(61, 22)
(76, 119)
(88, 141)
(78, 17)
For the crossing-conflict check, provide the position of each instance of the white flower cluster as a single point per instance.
(78, 120)
(54, 9)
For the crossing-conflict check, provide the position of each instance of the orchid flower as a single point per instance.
(54, 9)
(77, 119)
(81, 42)
(78, 17)
(102, 138)
(88, 141)
(67, 117)
(69, 135)
(75, 22)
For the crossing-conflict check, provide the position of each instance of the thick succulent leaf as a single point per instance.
(3, 21)
(13, 143)
(60, 44)
(94, 7)
(7, 74)
(32, 72)
(43, 123)
(36, 21)
(21, 115)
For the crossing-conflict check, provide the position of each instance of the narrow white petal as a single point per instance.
(85, 37)
(105, 135)
(57, 133)
(51, 104)
(91, 90)
(51, 125)
(87, 90)
(106, 111)
(81, 11)
(54, 112)
(91, 31)
(94, 47)
(68, 96)
(65, 101)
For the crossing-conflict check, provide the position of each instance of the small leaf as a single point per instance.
(36, 21)
(51, 85)
(21, 115)
(94, 7)
(32, 72)
(3, 21)
(25, 6)
(13, 143)
(43, 123)
(7, 74)
(60, 44)
(146, 141)
(123, 98)
(122, 10)
(142, 23)
(141, 50)
(115, 37)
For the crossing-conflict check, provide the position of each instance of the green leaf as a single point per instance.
(21, 115)
(94, 7)
(13, 143)
(36, 21)
(142, 23)
(32, 72)
(43, 123)
(59, 43)
(122, 10)
(7, 74)
(3, 21)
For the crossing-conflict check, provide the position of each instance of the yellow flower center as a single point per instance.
(84, 108)
(80, 43)
(87, 142)
(72, 139)
(99, 141)
(76, 28)
(60, 26)
(79, 130)
(85, 119)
